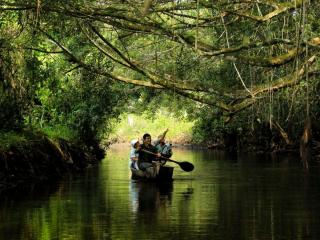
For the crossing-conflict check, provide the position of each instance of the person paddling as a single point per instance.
(146, 160)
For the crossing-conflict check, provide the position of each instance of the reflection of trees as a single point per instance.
(247, 200)
(58, 212)
(16, 222)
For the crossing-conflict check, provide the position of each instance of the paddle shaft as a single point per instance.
(185, 166)
(168, 159)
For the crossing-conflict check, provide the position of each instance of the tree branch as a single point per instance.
(287, 81)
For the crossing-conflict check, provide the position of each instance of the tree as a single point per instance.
(266, 46)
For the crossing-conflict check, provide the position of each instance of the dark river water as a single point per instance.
(225, 197)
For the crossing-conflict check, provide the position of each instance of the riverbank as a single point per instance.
(246, 143)
(34, 157)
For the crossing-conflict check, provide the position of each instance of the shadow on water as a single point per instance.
(30, 190)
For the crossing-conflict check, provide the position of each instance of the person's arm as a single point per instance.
(134, 155)
(164, 133)
(161, 137)
(155, 150)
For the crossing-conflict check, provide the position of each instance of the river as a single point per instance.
(225, 197)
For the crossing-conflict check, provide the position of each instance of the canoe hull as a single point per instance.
(165, 174)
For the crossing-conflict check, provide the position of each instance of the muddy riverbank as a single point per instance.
(40, 158)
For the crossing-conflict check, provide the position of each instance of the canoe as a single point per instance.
(165, 174)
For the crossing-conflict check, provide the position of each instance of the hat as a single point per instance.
(133, 142)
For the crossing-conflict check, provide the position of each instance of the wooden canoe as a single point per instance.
(165, 174)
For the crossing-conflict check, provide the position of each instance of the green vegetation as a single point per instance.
(9, 138)
(134, 126)
(59, 131)
(231, 68)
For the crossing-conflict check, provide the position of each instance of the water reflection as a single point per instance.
(247, 198)
(150, 196)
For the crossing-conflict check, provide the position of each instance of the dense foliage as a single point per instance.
(232, 66)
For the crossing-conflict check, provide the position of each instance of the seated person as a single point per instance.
(163, 148)
(147, 160)
(134, 153)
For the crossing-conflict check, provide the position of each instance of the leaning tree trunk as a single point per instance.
(305, 144)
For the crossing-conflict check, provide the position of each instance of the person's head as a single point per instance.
(161, 139)
(146, 139)
(135, 143)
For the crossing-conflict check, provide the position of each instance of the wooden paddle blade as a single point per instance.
(186, 166)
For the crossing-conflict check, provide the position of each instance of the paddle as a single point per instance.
(185, 166)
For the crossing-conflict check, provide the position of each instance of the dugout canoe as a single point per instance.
(165, 174)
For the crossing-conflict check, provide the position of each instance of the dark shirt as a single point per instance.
(146, 157)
